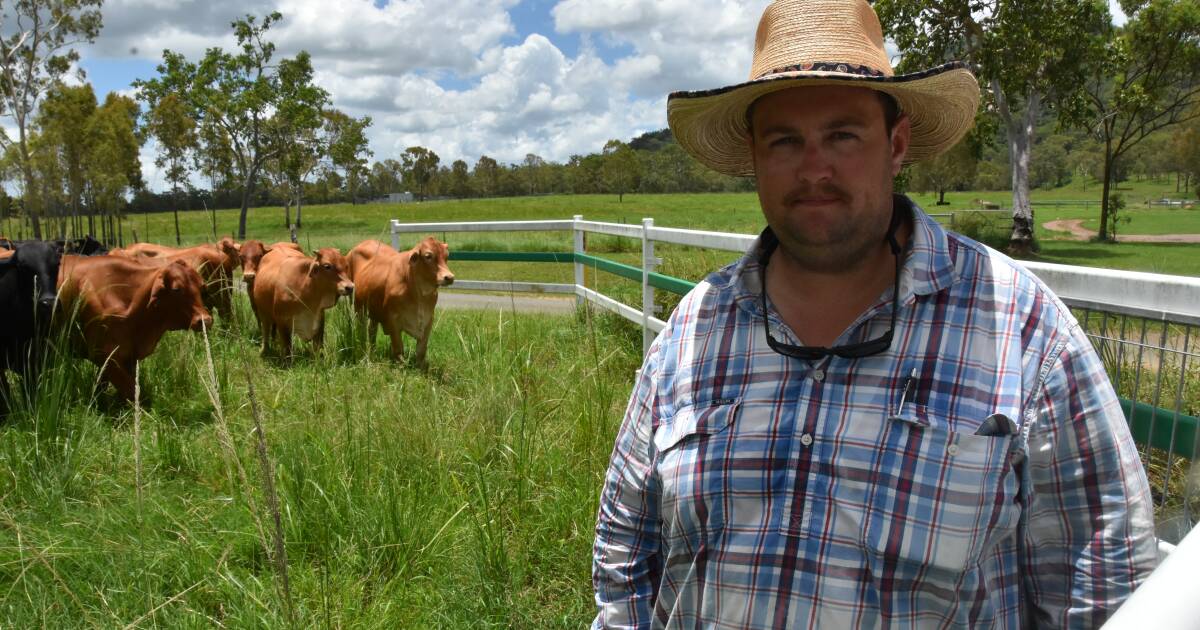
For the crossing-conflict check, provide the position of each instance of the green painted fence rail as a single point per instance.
(1159, 428)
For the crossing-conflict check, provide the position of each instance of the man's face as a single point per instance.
(824, 163)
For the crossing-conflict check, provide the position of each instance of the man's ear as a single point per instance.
(901, 137)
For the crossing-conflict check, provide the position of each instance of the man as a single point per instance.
(867, 421)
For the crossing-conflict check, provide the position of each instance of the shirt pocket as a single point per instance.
(720, 466)
(940, 498)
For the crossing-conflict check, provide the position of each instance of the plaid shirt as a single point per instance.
(752, 490)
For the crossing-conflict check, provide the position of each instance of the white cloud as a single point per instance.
(449, 75)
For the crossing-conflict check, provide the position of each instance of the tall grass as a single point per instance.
(459, 497)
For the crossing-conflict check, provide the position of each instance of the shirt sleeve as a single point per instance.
(626, 563)
(1088, 538)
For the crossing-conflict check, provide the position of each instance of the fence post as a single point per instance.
(578, 246)
(649, 264)
(395, 234)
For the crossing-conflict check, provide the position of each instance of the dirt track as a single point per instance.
(1075, 227)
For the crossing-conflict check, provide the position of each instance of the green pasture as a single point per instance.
(463, 496)
(343, 225)
(460, 497)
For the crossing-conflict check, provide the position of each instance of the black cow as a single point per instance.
(86, 246)
(28, 288)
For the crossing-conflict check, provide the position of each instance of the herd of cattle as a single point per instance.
(119, 303)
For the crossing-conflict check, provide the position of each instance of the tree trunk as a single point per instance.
(175, 207)
(299, 205)
(1108, 163)
(287, 212)
(27, 172)
(247, 192)
(941, 198)
(1020, 140)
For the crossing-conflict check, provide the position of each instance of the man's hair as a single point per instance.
(891, 112)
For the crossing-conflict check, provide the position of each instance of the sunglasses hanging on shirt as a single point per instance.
(847, 351)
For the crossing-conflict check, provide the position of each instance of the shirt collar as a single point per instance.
(928, 263)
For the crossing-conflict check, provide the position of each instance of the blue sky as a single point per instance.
(464, 77)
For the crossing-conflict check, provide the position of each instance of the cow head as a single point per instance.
(175, 298)
(231, 249)
(428, 262)
(331, 261)
(86, 246)
(251, 253)
(35, 264)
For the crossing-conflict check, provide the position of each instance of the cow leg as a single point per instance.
(5, 393)
(268, 330)
(285, 341)
(422, 343)
(319, 338)
(121, 378)
(394, 332)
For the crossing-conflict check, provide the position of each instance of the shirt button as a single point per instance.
(818, 375)
(806, 439)
(952, 449)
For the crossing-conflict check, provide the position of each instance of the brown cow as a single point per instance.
(123, 307)
(214, 266)
(292, 291)
(145, 250)
(399, 290)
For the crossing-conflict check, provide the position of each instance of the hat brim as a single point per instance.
(711, 124)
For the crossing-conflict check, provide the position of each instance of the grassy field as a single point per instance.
(460, 497)
(463, 497)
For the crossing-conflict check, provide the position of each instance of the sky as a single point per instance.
(465, 78)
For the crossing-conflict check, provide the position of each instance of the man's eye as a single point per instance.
(843, 135)
(784, 141)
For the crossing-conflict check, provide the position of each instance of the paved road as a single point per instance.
(548, 305)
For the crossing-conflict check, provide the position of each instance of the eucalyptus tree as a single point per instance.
(63, 121)
(1147, 79)
(420, 167)
(35, 53)
(114, 168)
(1027, 54)
(346, 148)
(174, 132)
(235, 96)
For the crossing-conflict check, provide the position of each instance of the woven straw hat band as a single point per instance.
(791, 34)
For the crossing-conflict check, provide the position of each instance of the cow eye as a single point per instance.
(327, 266)
(428, 255)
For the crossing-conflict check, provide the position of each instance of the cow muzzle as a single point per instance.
(346, 288)
(446, 280)
(202, 321)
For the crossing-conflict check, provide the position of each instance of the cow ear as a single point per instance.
(414, 255)
(313, 267)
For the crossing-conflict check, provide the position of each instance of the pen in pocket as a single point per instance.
(909, 382)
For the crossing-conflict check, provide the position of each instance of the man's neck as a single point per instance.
(818, 305)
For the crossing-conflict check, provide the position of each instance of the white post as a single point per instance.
(578, 265)
(395, 234)
(649, 265)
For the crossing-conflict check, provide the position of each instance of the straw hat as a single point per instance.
(822, 42)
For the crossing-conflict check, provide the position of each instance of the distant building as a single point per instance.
(400, 197)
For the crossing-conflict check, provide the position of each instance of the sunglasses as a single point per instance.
(847, 351)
